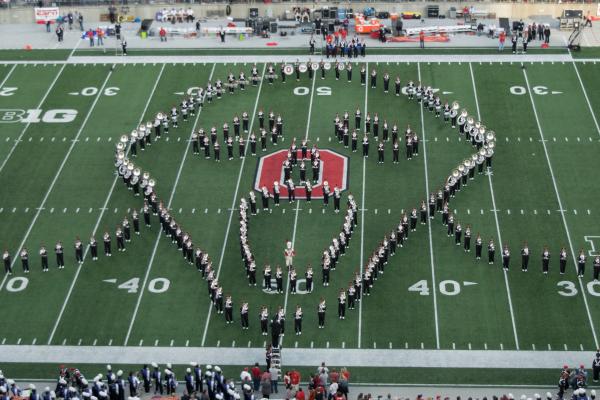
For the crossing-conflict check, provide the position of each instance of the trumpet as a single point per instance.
(455, 105)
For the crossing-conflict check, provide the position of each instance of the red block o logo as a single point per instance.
(334, 169)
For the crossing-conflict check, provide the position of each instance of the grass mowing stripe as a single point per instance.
(102, 210)
(60, 168)
(8, 75)
(18, 140)
(510, 305)
(562, 213)
(587, 99)
(287, 284)
(231, 209)
(362, 216)
(151, 262)
(433, 282)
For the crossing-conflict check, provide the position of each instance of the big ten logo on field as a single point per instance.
(333, 169)
(55, 116)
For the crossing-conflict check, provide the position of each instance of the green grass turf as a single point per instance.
(478, 317)
(34, 55)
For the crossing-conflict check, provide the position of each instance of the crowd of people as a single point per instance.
(174, 15)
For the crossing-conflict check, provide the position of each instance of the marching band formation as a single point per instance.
(362, 281)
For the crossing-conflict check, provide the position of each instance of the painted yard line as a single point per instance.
(495, 211)
(587, 99)
(8, 75)
(60, 168)
(159, 235)
(18, 140)
(433, 283)
(102, 211)
(233, 202)
(564, 219)
(287, 284)
(362, 218)
(384, 357)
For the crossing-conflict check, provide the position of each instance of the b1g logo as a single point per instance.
(56, 116)
(333, 169)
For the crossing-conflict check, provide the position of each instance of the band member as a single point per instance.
(351, 292)
(363, 75)
(365, 146)
(563, 260)
(94, 248)
(264, 320)
(467, 240)
(60, 256)
(491, 251)
(308, 189)
(78, 250)
(380, 153)
(524, 257)
(545, 260)
(276, 193)
(7, 262)
(293, 280)
(581, 264)
(308, 275)
(107, 244)
(457, 234)
(398, 86)
(505, 258)
(44, 258)
(342, 304)
(337, 195)
(228, 310)
(136, 221)
(386, 82)
(298, 320)
(24, 254)
(373, 78)
(244, 315)
(279, 279)
(396, 153)
(349, 72)
(322, 307)
(267, 278)
(478, 246)
(265, 198)
(596, 273)
(120, 239)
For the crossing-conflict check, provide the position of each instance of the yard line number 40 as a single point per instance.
(156, 285)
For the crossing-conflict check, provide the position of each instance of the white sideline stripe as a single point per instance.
(102, 210)
(160, 233)
(362, 217)
(233, 202)
(287, 284)
(537, 120)
(495, 210)
(296, 356)
(587, 99)
(18, 140)
(433, 282)
(60, 168)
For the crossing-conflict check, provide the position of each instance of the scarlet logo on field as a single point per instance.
(333, 169)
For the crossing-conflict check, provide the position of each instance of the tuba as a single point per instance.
(474, 157)
(490, 136)
(120, 158)
(136, 176)
(124, 139)
(455, 105)
(455, 174)
(489, 152)
(151, 183)
(120, 147)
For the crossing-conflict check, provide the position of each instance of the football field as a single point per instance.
(61, 122)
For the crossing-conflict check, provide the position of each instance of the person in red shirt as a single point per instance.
(295, 379)
(501, 40)
(100, 36)
(422, 39)
(256, 374)
(90, 36)
(163, 34)
(300, 394)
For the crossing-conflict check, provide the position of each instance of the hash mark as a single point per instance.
(549, 347)
(374, 345)
(485, 346)
(581, 346)
(390, 345)
(171, 344)
(64, 342)
(453, 346)
(249, 342)
(406, 345)
(19, 341)
(187, 343)
(141, 342)
(469, 346)
(233, 344)
(219, 344)
(95, 341)
(156, 343)
(110, 342)
(34, 341)
(3, 340)
(533, 346)
(79, 342)
(327, 345)
(422, 345)
(312, 344)
(566, 349)
(501, 346)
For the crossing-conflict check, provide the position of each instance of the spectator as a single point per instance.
(70, 19)
(256, 376)
(334, 376)
(245, 376)
(399, 26)
(265, 386)
(547, 34)
(596, 367)
(60, 31)
(501, 40)
(222, 34)
(48, 26)
(422, 39)
(118, 30)
(163, 34)
(300, 394)
(80, 19)
(90, 36)
(100, 36)
(295, 380)
(124, 46)
(274, 373)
